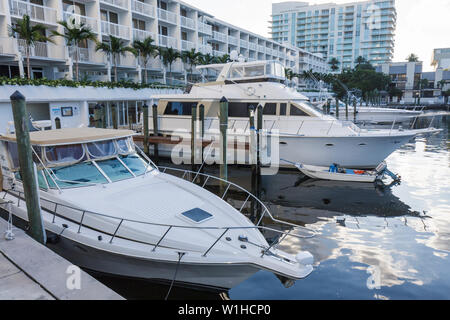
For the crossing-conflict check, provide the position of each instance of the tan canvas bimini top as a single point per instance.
(71, 136)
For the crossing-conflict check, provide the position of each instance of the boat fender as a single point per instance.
(53, 238)
(305, 258)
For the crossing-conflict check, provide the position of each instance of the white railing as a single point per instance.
(169, 42)
(127, 60)
(220, 36)
(117, 30)
(90, 22)
(187, 23)
(187, 45)
(143, 8)
(261, 48)
(87, 55)
(232, 40)
(8, 45)
(204, 28)
(218, 53)
(117, 3)
(205, 48)
(252, 46)
(155, 63)
(42, 49)
(142, 34)
(36, 12)
(167, 16)
(243, 44)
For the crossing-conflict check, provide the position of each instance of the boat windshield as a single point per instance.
(308, 107)
(85, 164)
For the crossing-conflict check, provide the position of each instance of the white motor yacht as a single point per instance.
(108, 208)
(305, 134)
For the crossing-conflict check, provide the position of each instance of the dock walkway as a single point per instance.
(31, 271)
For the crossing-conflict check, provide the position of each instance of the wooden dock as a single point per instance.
(31, 271)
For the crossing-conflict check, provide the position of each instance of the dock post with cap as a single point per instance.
(27, 168)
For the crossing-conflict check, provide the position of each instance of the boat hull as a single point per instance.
(323, 174)
(213, 276)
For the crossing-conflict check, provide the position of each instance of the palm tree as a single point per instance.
(441, 84)
(412, 58)
(207, 59)
(334, 64)
(191, 58)
(289, 73)
(75, 34)
(30, 34)
(169, 56)
(223, 59)
(145, 50)
(114, 48)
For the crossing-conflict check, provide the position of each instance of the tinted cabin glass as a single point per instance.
(283, 107)
(270, 109)
(239, 109)
(180, 108)
(295, 111)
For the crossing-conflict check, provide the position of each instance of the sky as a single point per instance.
(422, 25)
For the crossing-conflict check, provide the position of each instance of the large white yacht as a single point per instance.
(305, 134)
(106, 207)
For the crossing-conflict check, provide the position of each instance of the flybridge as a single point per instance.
(245, 71)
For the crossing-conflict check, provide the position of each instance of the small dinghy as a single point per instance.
(337, 173)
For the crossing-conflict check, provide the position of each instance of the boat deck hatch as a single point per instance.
(197, 215)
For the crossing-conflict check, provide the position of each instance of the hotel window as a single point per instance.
(109, 16)
(163, 30)
(184, 36)
(139, 24)
(183, 12)
(74, 7)
(162, 5)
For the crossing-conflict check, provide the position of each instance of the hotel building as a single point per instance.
(170, 23)
(341, 31)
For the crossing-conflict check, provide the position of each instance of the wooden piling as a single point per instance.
(155, 131)
(253, 159)
(114, 116)
(337, 107)
(27, 167)
(223, 121)
(346, 108)
(201, 111)
(194, 137)
(354, 109)
(145, 120)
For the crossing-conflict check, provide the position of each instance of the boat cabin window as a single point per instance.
(13, 153)
(125, 146)
(270, 109)
(81, 174)
(180, 108)
(297, 111)
(102, 149)
(41, 180)
(135, 164)
(61, 154)
(115, 170)
(240, 109)
(283, 107)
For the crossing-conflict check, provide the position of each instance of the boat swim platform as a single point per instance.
(31, 271)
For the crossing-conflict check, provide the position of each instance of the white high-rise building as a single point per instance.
(171, 23)
(341, 31)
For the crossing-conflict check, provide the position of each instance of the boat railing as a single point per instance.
(56, 211)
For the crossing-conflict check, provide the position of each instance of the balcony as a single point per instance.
(168, 42)
(88, 21)
(143, 8)
(205, 49)
(128, 60)
(87, 55)
(42, 50)
(117, 3)
(261, 48)
(204, 28)
(167, 16)
(232, 40)
(8, 46)
(36, 12)
(243, 44)
(187, 45)
(252, 46)
(142, 35)
(187, 23)
(116, 30)
(218, 53)
(221, 37)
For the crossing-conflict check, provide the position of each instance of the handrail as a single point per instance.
(170, 227)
